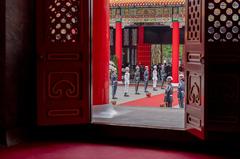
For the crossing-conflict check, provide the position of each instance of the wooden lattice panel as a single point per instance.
(111, 37)
(223, 22)
(126, 37)
(63, 22)
(194, 89)
(194, 7)
(134, 37)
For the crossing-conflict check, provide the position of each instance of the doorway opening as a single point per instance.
(144, 79)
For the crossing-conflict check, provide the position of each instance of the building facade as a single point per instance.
(146, 30)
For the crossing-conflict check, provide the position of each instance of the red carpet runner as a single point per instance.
(154, 101)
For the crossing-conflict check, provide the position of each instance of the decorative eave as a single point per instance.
(142, 3)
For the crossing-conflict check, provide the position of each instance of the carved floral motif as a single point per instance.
(194, 89)
(63, 84)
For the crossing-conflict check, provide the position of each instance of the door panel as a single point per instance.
(194, 68)
(223, 60)
(63, 73)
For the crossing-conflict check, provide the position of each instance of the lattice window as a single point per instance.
(223, 23)
(133, 57)
(194, 20)
(111, 37)
(63, 22)
(126, 37)
(134, 37)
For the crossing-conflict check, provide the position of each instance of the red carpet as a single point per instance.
(154, 101)
(94, 151)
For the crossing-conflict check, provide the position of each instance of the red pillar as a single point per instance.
(140, 35)
(101, 52)
(118, 48)
(143, 49)
(175, 51)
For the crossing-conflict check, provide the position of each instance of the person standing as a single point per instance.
(146, 76)
(114, 83)
(159, 71)
(163, 75)
(126, 82)
(168, 69)
(123, 72)
(141, 72)
(168, 96)
(154, 78)
(137, 79)
(181, 91)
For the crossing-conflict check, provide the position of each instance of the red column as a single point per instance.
(175, 51)
(118, 48)
(140, 35)
(143, 49)
(101, 52)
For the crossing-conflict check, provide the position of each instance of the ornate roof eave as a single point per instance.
(145, 3)
(145, 6)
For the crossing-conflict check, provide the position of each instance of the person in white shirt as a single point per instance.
(154, 78)
(126, 82)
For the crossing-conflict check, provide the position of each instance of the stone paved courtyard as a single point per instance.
(160, 117)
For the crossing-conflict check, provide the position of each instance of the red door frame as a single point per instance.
(63, 65)
(100, 52)
(70, 62)
(195, 68)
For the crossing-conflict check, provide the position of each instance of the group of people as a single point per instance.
(137, 78)
(168, 94)
(163, 70)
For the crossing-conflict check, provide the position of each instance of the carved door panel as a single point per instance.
(194, 68)
(63, 75)
(222, 36)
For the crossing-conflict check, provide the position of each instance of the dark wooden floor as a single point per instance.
(83, 150)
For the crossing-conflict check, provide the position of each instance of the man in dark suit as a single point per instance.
(163, 74)
(114, 83)
(181, 91)
(168, 96)
(137, 79)
(146, 77)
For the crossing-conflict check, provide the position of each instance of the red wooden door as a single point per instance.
(63, 67)
(194, 68)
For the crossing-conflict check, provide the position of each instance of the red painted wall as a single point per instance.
(118, 48)
(143, 49)
(175, 51)
(101, 52)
